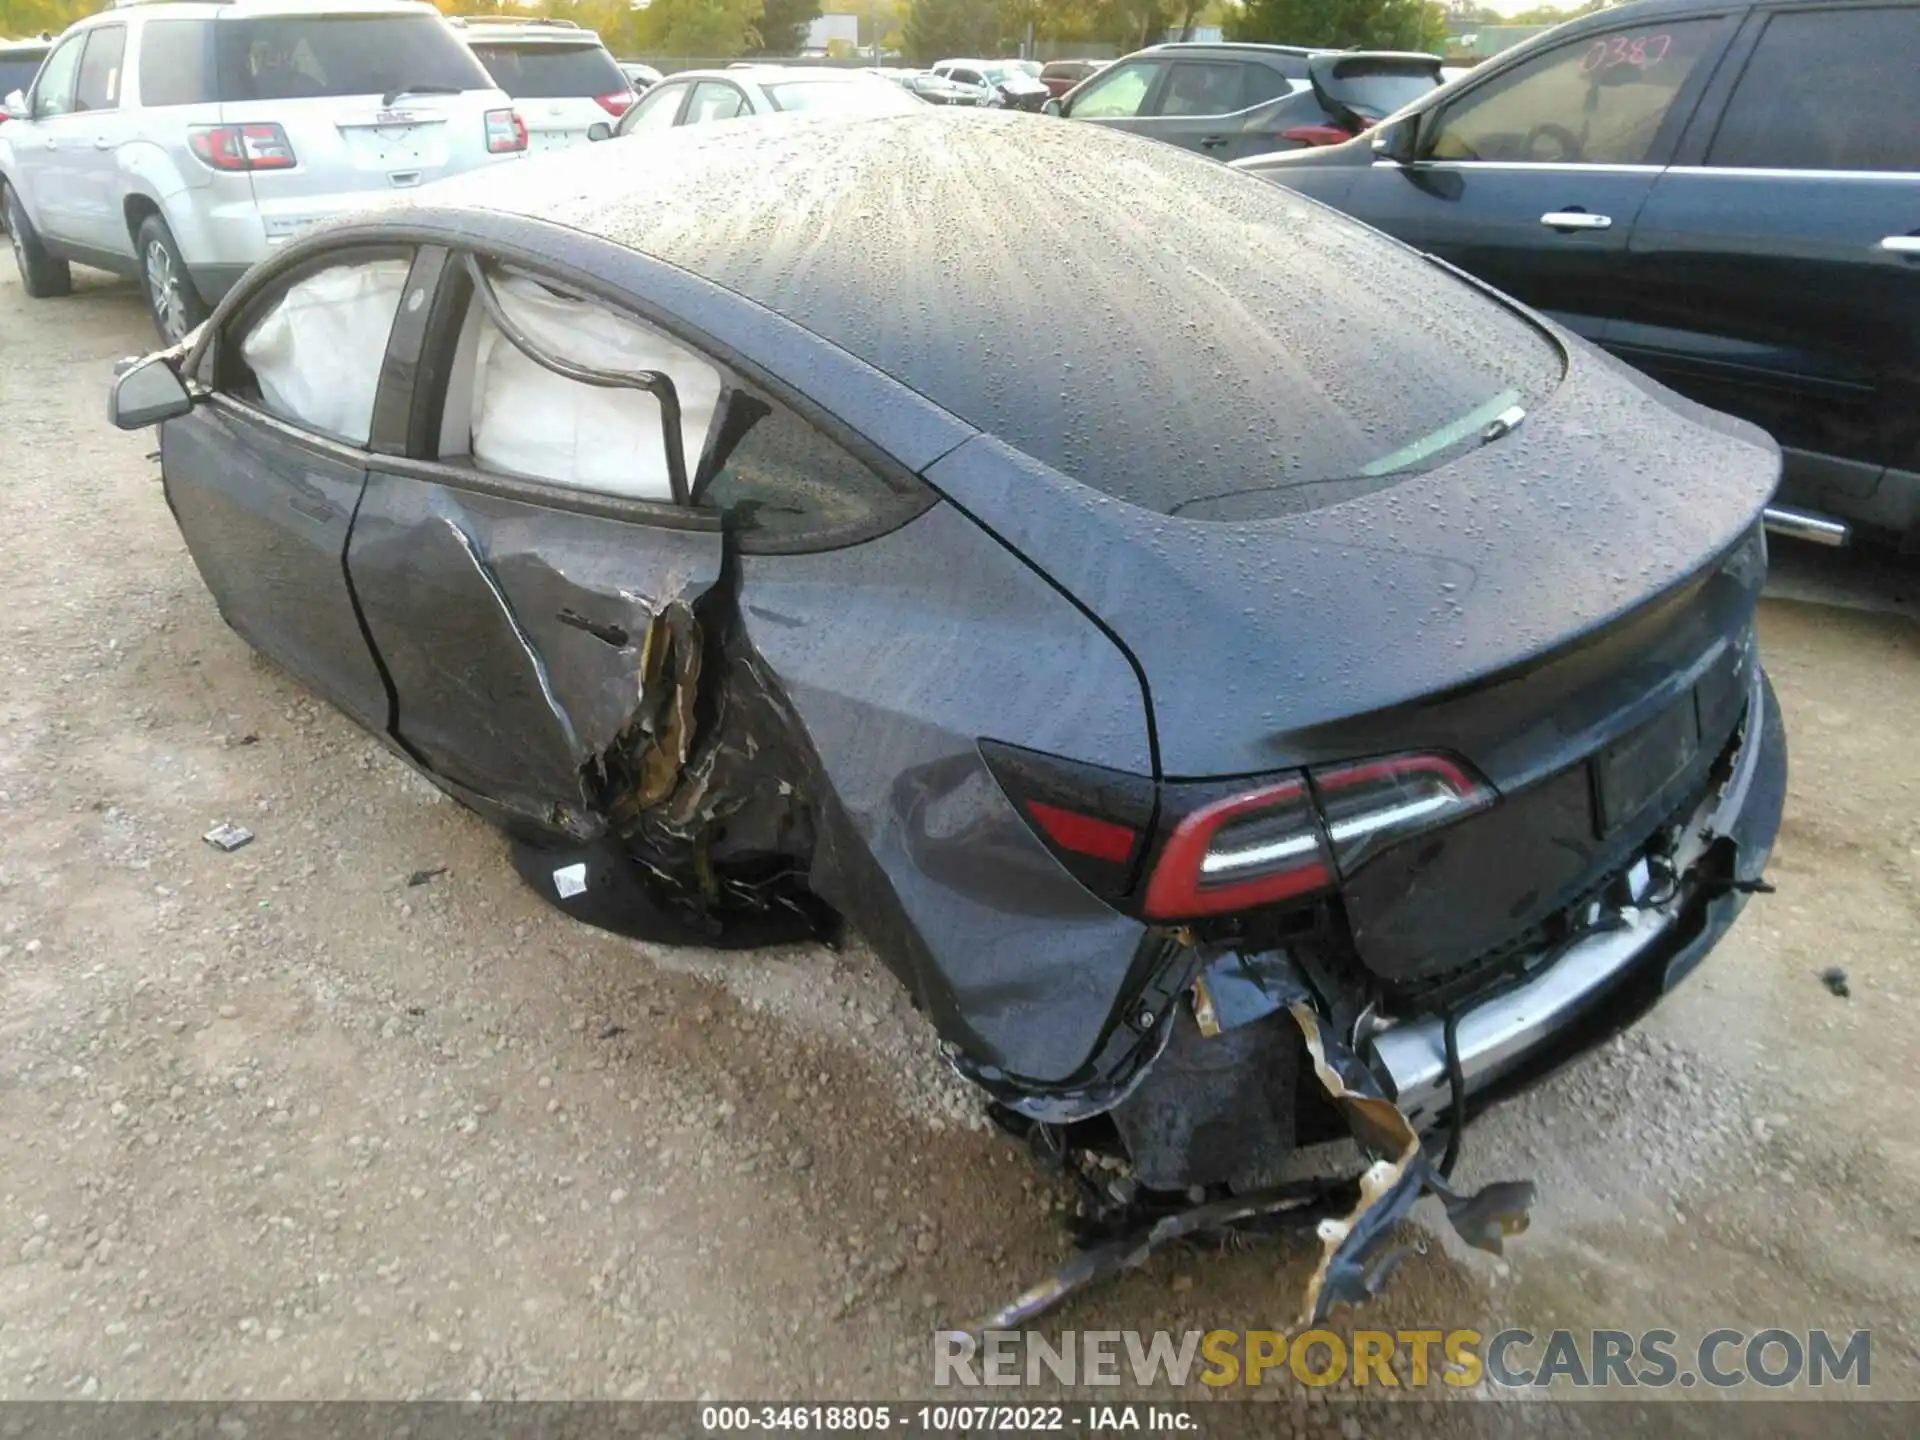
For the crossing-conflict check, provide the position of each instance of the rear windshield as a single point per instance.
(17, 71)
(845, 97)
(1378, 95)
(545, 71)
(306, 57)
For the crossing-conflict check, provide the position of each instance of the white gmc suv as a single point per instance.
(179, 141)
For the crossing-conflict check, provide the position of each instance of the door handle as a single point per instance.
(1576, 220)
(1212, 142)
(1902, 244)
(103, 142)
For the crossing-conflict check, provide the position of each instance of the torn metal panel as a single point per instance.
(1352, 1218)
(515, 636)
(1352, 1265)
(710, 787)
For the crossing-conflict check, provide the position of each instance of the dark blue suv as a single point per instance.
(1725, 195)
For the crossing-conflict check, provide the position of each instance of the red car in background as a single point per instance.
(1060, 76)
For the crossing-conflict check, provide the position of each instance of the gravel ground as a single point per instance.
(279, 1124)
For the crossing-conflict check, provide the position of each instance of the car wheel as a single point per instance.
(43, 275)
(176, 306)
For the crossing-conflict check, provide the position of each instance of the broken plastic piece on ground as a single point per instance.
(1355, 1262)
(228, 836)
(1296, 1200)
(1353, 1265)
(602, 885)
(424, 877)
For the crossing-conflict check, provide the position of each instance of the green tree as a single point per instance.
(783, 26)
(937, 29)
(1367, 24)
(26, 19)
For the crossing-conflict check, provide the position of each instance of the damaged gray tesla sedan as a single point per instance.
(1294, 695)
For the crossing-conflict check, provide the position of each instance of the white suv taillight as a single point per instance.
(615, 104)
(261, 145)
(506, 132)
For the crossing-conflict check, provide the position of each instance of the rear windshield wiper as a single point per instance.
(393, 95)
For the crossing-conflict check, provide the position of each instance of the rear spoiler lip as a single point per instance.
(1324, 72)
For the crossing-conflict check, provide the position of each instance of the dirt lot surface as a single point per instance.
(277, 1123)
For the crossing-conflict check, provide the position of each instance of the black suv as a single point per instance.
(1728, 196)
(1228, 101)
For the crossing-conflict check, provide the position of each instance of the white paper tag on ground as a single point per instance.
(570, 880)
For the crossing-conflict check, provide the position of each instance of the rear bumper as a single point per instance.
(1606, 981)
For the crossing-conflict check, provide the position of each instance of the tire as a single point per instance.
(44, 276)
(173, 302)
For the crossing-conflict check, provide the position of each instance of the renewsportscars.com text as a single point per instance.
(1406, 1359)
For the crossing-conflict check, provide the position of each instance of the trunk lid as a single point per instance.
(1569, 609)
(1355, 626)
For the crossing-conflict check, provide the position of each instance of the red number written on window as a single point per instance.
(1614, 50)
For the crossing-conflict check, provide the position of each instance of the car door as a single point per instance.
(1117, 96)
(1531, 177)
(1775, 272)
(265, 476)
(100, 127)
(42, 144)
(511, 558)
(1214, 106)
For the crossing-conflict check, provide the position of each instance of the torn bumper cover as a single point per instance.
(1612, 976)
(1399, 1078)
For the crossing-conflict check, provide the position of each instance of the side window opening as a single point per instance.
(598, 428)
(98, 86)
(174, 68)
(560, 396)
(784, 485)
(1828, 91)
(1601, 101)
(314, 357)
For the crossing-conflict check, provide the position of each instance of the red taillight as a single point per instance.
(1084, 834)
(1316, 135)
(261, 145)
(1375, 804)
(615, 104)
(506, 132)
(1235, 854)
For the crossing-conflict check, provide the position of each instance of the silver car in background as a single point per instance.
(693, 97)
(179, 143)
(560, 77)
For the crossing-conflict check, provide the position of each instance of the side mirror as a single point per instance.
(599, 130)
(1052, 107)
(146, 392)
(16, 106)
(1397, 140)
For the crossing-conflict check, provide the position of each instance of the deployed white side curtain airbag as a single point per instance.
(317, 354)
(529, 421)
